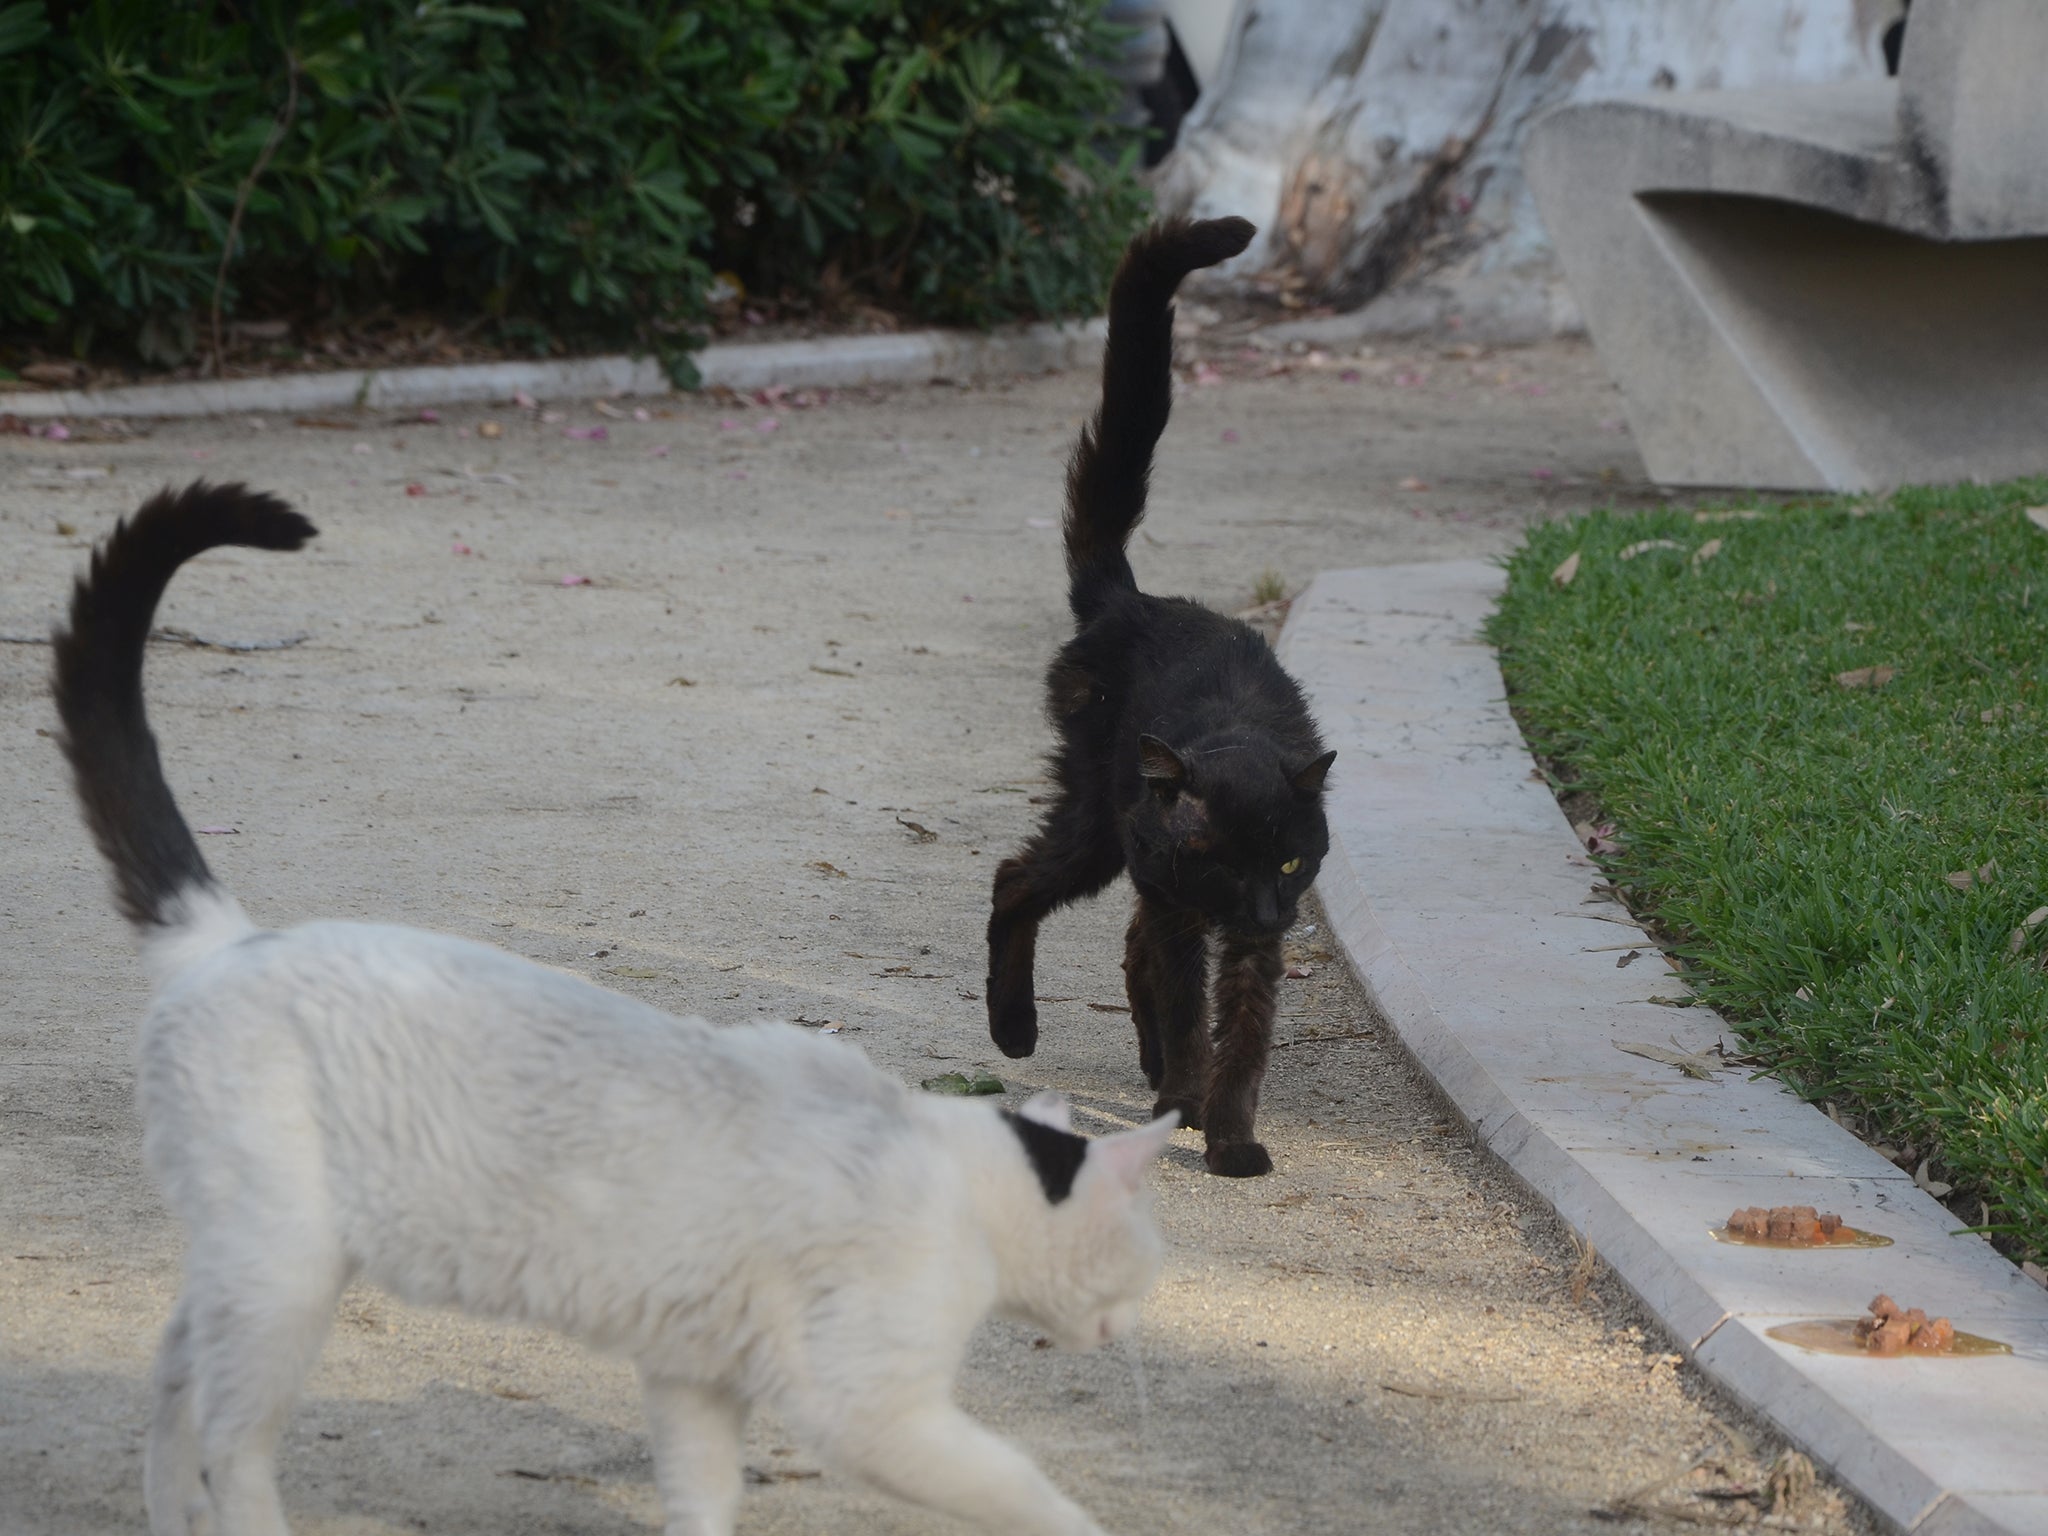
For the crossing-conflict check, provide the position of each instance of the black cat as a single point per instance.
(1186, 755)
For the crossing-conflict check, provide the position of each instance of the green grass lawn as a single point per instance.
(1793, 834)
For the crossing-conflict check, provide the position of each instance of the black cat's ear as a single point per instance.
(1309, 780)
(1161, 766)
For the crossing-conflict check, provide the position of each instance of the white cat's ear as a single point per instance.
(1128, 1154)
(1048, 1109)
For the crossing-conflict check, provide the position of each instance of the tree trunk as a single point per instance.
(1377, 143)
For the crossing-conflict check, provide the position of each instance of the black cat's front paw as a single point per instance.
(1237, 1159)
(1189, 1110)
(1013, 1025)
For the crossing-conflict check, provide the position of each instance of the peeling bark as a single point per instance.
(1377, 143)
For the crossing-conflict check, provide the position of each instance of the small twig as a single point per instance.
(278, 130)
(1281, 1045)
(170, 636)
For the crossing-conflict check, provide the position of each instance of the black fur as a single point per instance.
(98, 682)
(1055, 1154)
(1185, 755)
(1112, 466)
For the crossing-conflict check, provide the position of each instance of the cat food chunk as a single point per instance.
(1937, 1338)
(1795, 1224)
(1890, 1329)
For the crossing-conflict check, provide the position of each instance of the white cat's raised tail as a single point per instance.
(754, 1215)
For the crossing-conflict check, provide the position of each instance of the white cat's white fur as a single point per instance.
(752, 1215)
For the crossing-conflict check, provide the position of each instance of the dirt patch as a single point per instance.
(862, 600)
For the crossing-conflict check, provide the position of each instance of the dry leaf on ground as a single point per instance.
(1706, 552)
(1963, 879)
(2032, 920)
(918, 831)
(1644, 546)
(1691, 1065)
(1569, 568)
(2038, 516)
(1866, 677)
(1933, 1186)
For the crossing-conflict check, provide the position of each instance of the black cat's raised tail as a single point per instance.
(98, 684)
(1112, 464)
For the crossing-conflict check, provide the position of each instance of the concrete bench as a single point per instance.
(1839, 287)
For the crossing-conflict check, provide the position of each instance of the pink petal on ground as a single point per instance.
(727, 424)
(430, 416)
(551, 417)
(1230, 434)
(1409, 379)
(460, 548)
(770, 394)
(524, 401)
(57, 432)
(658, 453)
(1543, 474)
(766, 424)
(1205, 373)
(641, 413)
(362, 448)
(575, 581)
(587, 434)
(1349, 376)
(753, 317)
(415, 489)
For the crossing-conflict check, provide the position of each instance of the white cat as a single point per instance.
(753, 1215)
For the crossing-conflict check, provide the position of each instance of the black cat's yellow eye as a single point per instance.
(1292, 866)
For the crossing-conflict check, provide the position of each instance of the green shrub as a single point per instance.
(569, 171)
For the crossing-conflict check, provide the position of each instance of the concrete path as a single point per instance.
(690, 779)
(1461, 894)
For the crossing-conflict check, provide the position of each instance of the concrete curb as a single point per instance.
(1463, 900)
(906, 357)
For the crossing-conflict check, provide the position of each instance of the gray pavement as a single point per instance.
(689, 778)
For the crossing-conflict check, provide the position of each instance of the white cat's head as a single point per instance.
(1082, 1274)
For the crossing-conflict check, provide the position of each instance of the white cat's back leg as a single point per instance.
(695, 1436)
(264, 1266)
(172, 1492)
(933, 1454)
(258, 1317)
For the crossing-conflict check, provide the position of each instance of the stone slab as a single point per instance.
(1746, 262)
(1464, 901)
